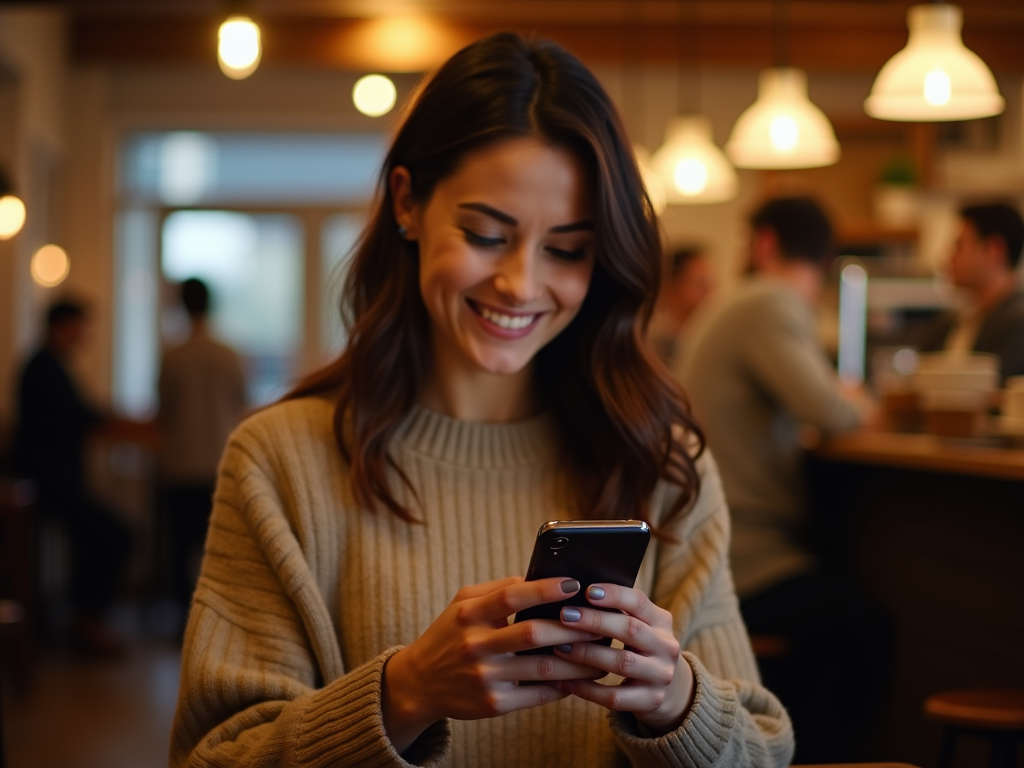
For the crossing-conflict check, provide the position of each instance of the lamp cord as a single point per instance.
(689, 53)
(782, 33)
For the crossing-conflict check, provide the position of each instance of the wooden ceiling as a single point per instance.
(409, 35)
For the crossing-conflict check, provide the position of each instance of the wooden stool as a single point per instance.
(997, 715)
(17, 499)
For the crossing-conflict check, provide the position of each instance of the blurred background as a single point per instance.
(148, 160)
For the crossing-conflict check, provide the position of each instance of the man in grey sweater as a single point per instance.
(757, 377)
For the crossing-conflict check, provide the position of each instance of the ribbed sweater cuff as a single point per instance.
(344, 725)
(700, 740)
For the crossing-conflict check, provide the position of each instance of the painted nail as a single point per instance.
(571, 614)
(564, 648)
(595, 593)
(570, 585)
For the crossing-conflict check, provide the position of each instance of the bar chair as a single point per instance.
(17, 505)
(995, 714)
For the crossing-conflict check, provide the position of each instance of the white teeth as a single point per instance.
(507, 321)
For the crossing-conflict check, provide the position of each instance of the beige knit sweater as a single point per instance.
(304, 596)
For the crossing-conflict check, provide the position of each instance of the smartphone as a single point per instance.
(590, 551)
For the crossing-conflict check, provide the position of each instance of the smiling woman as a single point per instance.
(354, 602)
(505, 260)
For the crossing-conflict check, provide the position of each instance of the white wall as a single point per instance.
(31, 146)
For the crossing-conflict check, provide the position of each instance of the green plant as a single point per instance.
(900, 172)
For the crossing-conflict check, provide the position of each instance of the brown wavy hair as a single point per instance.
(623, 422)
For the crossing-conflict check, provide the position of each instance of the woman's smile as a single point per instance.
(504, 324)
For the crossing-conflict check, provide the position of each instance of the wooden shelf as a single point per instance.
(864, 232)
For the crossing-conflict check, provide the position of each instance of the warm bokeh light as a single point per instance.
(937, 88)
(238, 47)
(691, 167)
(690, 176)
(374, 95)
(50, 265)
(12, 216)
(783, 128)
(784, 133)
(408, 43)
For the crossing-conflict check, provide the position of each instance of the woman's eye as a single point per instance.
(476, 239)
(577, 254)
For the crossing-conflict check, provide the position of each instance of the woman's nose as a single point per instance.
(517, 278)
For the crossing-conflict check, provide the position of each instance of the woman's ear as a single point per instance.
(406, 209)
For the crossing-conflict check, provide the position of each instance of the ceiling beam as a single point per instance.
(361, 44)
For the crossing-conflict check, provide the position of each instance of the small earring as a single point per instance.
(402, 231)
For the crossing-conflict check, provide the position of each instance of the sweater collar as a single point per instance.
(478, 445)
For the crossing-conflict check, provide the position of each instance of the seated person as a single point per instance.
(984, 264)
(757, 375)
(54, 422)
(688, 282)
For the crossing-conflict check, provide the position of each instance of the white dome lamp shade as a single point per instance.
(691, 168)
(935, 77)
(782, 129)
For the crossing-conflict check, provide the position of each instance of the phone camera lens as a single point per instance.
(559, 542)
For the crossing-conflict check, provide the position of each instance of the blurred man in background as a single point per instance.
(54, 421)
(984, 264)
(688, 281)
(202, 398)
(757, 376)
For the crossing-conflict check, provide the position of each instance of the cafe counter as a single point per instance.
(934, 529)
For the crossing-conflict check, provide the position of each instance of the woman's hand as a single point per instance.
(658, 683)
(464, 665)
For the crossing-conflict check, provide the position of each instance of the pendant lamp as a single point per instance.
(691, 168)
(238, 46)
(782, 129)
(935, 77)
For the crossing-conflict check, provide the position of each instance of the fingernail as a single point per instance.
(564, 648)
(595, 592)
(571, 614)
(570, 585)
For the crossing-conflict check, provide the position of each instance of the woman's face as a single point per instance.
(506, 254)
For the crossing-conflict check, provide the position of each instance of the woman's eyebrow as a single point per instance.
(503, 217)
(494, 213)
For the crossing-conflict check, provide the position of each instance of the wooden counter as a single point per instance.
(933, 528)
(925, 452)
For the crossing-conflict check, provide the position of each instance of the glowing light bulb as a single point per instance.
(690, 176)
(937, 88)
(12, 216)
(238, 47)
(374, 95)
(784, 133)
(50, 265)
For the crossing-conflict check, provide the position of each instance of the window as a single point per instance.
(267, 220)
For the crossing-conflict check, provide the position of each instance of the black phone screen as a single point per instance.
(590, 551)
